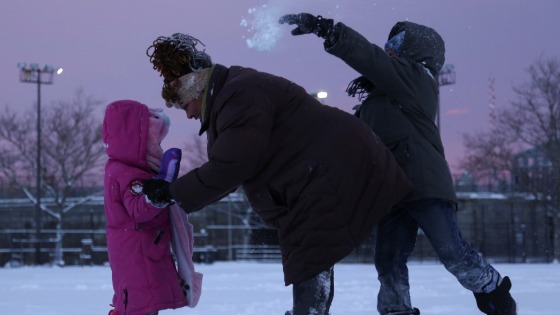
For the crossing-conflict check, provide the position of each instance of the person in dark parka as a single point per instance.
(399, 91)
(317, 174)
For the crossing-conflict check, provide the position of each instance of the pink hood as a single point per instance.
(125, 132)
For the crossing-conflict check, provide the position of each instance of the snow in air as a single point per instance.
(263, 27)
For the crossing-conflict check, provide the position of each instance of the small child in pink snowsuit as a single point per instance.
(140, 235)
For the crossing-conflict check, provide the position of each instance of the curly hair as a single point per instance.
(169, 93)
(176, 56)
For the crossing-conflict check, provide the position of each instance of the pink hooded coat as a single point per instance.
(144, 276)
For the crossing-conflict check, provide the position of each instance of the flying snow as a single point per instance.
(263, 27)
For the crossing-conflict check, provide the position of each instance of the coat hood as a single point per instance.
(125, 132)
(421, 44)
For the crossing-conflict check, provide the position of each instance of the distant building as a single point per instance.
(532, 170)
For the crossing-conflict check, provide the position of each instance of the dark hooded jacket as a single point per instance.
(401, 101)
(316, 173)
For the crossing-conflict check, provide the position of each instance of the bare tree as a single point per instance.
(72, 148)
(534, 119)
(531, 123)
(489, 156)
(535, 116)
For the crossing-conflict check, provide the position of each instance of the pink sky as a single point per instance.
(101, 46)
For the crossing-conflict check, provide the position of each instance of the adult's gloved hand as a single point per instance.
(157, 192)
(308, 23)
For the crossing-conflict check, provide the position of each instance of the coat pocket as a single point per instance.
(155, 244)
(401, 150)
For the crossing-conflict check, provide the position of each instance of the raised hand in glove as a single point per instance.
(157, 192)
(308, 23)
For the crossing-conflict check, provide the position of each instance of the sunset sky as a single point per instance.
(102, 47)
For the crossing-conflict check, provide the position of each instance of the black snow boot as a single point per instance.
(413, 311)
(497, 302)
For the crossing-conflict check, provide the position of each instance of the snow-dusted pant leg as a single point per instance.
(395, 241)
(314, 296)
(437, 218)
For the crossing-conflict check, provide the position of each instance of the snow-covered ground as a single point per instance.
(236, 288)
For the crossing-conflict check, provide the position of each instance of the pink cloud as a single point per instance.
(456, 111)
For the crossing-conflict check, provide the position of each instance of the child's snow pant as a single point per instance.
(395, 241)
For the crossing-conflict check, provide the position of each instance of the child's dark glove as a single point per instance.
(157, 192)
(308, 23)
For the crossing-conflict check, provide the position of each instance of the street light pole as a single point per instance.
(32, 73)
(446, 77)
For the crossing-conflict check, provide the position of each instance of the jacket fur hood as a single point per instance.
(421, 44)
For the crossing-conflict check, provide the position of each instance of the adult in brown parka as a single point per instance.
(317, 174)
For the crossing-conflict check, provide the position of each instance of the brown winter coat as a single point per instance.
(316, 173)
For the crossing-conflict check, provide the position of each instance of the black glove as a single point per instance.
(308, 23)
(157, 192)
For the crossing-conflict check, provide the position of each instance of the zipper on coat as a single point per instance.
(158, 237)
(125, 292)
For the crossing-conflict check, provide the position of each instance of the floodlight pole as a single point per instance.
(34, 74)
